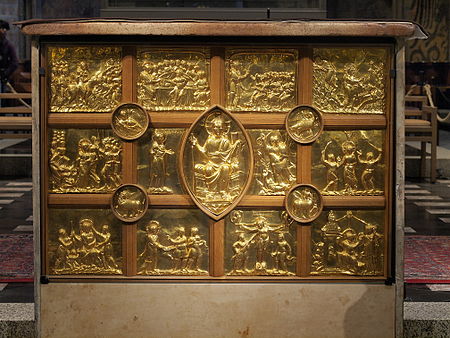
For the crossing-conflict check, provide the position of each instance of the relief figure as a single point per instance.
(216, 163)
(158, 164)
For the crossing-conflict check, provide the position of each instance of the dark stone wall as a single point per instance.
(68, 8)
(360, 9)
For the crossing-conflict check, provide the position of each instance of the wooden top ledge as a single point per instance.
(299, 28)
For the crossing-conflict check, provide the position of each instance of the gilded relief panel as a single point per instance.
(173, 242)
(84, 241)
(275, 162)
(85, 79)
(216, 162)
(260, 243)
(157, 160)
(173, 80)
(350, 80)
(261, 80)
(349, 163)
(84, 161)
(348, 242)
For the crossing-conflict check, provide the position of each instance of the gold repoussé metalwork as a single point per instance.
(84, 242)
(129, 121)
(350, 80)
(84, 161)
(349, 163)
(261, 81)
(304, 203)
(348, 242)
(304, 124)
(275, 162)
(173, 79)
(173, 243)
(129, 203)
(157, 161)
(216, 161)
(85, 79)
(260, 243)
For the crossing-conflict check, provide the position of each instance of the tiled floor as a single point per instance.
(16, 217)
(427, 217)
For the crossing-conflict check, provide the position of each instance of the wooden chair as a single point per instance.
(421, 125)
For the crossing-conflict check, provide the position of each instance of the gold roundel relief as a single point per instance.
(304, 124)
(129, 202)
(304, 203)
(129, 121)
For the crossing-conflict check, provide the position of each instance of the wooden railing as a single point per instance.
(15, 122)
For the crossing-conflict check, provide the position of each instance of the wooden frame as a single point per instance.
(248, 121)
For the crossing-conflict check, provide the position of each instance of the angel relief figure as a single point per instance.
(216, 163)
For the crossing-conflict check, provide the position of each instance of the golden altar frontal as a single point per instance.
(181, 160)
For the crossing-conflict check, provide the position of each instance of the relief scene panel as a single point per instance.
(275, 162)
(350, 80)
(84, 161)
(173, 80)
(260, 243)
(349, 163)
(157, 161)
(173, 242)
(85, 79)
(348, 242)
(84, 241)
(261, 81)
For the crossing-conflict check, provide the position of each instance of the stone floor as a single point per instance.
(427, 307)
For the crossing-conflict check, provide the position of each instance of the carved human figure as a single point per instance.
(105, 247)
(152, 249)
(332, 163)
(217, 159)
(158, 163)
(86, 165)
(279, 160)
(347, 257)
(66, 253)
(240, 257)
(330, 232)
(282, 254)
(371, 249)
(369, 162)
(194, 247)
(111, 168)
(349, 162)
(179, 249)
(60, 166)
(89, 252)
(260, 239)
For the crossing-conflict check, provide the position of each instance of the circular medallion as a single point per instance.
(304, 124)
(129, 203)
(129, 121)
(303, 203)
